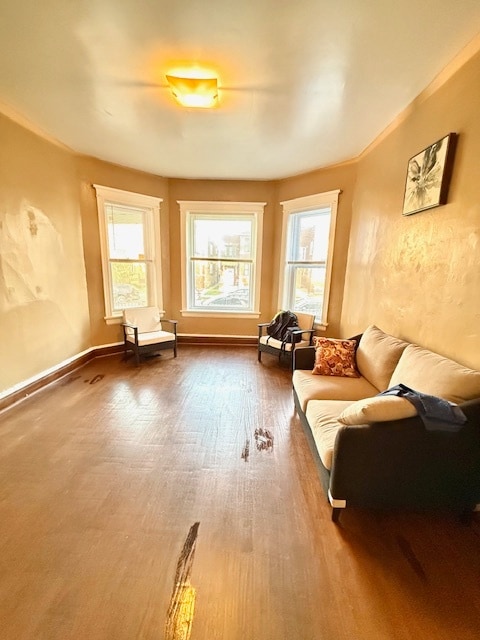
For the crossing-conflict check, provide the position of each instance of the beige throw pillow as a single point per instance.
(335, 357)
(377, 356)
(377, 409)
(435, 375)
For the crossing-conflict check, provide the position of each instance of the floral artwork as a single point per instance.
(428, 175)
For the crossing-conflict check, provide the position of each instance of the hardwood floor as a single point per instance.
(180, 500)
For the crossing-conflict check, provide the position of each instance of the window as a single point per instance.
(129, 234)
(308, 235)
(221, 251)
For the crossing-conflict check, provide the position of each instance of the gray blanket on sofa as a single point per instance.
(436, 413)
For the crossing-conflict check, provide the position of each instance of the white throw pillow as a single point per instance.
(377, 409)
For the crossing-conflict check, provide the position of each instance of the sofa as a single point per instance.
(378, 451)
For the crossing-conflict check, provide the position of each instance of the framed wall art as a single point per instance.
(428, 176)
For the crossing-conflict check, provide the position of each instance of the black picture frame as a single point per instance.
(428, 176)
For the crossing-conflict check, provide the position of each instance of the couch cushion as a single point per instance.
(377, 409)
(335, 357)
(322, 417)
(428, 372)
(151, 337)
(377, 356)
(277, 344)
(314, 387)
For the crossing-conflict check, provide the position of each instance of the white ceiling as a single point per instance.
(303, 84)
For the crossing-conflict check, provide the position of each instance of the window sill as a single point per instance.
(186, 313)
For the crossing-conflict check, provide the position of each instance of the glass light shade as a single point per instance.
(194, 92)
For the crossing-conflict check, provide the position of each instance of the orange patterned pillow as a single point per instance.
(335, 357)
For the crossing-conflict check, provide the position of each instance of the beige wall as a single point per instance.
(44, 316)
(419, 276)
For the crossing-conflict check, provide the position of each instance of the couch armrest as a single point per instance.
(401, 464)
(357, 339)
(297, 331)
(304, 358)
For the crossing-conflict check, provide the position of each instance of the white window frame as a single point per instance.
(305, 204)
(150, 206)
(220, 209)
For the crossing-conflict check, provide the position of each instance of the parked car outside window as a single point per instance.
(237, 298)
(126, 295)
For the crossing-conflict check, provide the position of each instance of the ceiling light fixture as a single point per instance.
(194, 92)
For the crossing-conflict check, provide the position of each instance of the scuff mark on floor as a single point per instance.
(70, 380)
(264, 439)
(182, 603)
(246, 450)
(96, 378)
(412, 559)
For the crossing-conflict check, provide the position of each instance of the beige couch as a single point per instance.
(375, 451)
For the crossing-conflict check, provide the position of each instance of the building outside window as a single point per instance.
(221, 256)
(308, 237)
(129, 233)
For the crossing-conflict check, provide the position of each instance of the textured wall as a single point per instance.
(43, 297)
(419, 276)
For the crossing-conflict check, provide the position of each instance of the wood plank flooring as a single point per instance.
(179, 500)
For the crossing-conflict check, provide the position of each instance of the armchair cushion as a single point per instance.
(151, 337)
(377, 409)
(145, 318)
(278, 344)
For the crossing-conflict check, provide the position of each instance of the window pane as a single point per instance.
(125, 229)
(222, 238)
(222, 284)
(310, 236)
(129, 285)
(308, 287)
